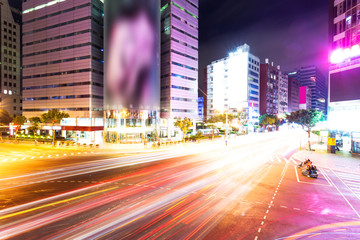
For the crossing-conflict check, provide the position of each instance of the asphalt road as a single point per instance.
(250, 189)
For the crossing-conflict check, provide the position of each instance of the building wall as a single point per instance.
(344, 23)
(269, 89)
(10, 69)
(283, 93)
(63, 58)
(293, 97)
(179, 58)
(344, 81)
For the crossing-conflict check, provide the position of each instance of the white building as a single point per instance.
(233, 84)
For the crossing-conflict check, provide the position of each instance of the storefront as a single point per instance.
(83, 130)
(131, 126)
(355, 142)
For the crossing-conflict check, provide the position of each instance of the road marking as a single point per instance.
(262, 223)
(357, 214)
(346, 185)
(297, 178)
(267, 211)
(297, 209)
(283, 206)
(259, 230)
(293, 160)
(256, 238)
(279, 160)
(310, 211)
(325, 176)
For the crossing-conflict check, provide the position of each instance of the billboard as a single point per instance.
(345, 85)
(132, 54)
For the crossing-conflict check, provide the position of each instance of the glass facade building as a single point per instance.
(179, 58)
(63, 57)
(311, 77)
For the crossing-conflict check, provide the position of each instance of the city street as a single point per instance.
(249, 189)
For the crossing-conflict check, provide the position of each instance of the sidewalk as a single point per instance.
(342, 161)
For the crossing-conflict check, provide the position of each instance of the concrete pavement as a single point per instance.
(341, 161)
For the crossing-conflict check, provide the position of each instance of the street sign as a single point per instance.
(331, 142)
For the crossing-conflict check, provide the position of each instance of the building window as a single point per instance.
(5, 84)
(14, 108)
(5, 91)
(10, 92)
(14, 100)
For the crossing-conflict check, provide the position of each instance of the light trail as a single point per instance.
(180, 200)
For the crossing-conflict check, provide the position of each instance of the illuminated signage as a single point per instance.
(340, 55)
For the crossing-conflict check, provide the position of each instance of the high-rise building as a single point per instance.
(311, 77)
(293, 94)
(344, 72)
(283, 93)
(201, 108)
(269, 88)
(63, 61)
(10, 53)
(233, 84)
(179, 58)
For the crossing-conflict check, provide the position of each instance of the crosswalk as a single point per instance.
(351, 180)
(282, 159)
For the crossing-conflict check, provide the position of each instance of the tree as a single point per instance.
(184, 125)
(18, 120)
(266, 120)
(35, 125)
(53, 116)
(221, 118)
(305, 118)
(243, 117)
(5, 118)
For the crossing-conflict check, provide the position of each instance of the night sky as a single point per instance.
(291, 33)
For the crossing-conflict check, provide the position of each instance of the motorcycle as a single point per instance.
(313, 174)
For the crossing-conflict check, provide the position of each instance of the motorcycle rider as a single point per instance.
(311, 168)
